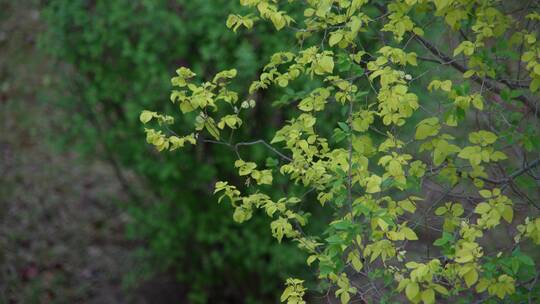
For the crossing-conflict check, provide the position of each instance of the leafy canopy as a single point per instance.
(414, 173)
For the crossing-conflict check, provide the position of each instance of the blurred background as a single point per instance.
(89, 213)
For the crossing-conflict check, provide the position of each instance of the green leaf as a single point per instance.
(326, 65)
(440, 211)
(211, 127)
(412, 290)
(426, 128)
(526, 260)
(440, 289)
(335, 38)
(355, 261)
(485, 193)
(409, 234)
(468, 73)
(373, 184)
(535, 84)
(446, 85)
(482, 208)
(146, 116)
(508, 213)
(428, 296)
(471, 277)
(440, 242)
(311, 259)
(345, 297)
(344, 126)
(407, 205)
(342, 225)
(334, 239)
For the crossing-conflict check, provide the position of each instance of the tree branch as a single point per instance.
(487, 81)
(515, 174)
(269, 146)
(237, 145)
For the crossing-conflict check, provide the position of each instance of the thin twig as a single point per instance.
(488, 81)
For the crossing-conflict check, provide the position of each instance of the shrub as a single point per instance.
(431, 198)
(121, 54)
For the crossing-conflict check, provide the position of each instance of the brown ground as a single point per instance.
(61, 226)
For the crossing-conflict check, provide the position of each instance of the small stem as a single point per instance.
(260, 141)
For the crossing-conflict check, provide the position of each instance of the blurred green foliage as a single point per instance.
(122, 55)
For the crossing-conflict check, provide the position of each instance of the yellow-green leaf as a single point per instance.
(482, 208)
(508, 213)
(428, 296)
(412, 290)
(407, 205)
(335, 38)
(326, 65)
(374, 184)
(471, 277)
(409, 234)
(146, 116)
